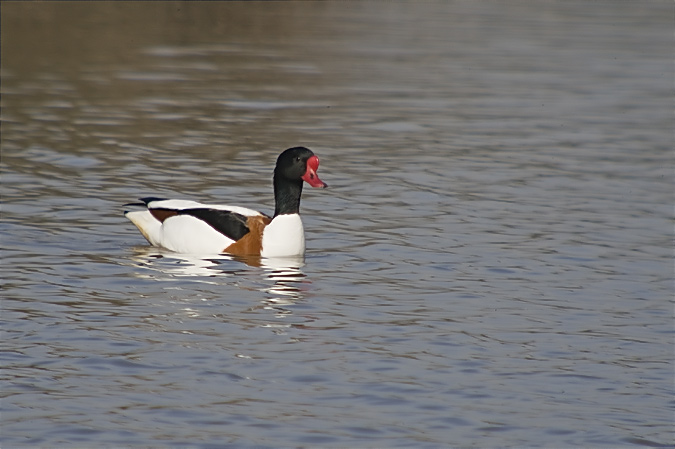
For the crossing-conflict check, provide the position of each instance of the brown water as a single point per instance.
(491, 267)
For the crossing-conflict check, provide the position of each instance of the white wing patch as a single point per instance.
(187, 204)
(190, 235)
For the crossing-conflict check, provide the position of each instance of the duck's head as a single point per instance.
(299, 163)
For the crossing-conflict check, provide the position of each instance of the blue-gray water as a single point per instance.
(491, 267)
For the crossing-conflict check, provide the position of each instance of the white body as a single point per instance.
(186, 234)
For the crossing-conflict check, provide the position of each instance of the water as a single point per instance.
(491, 267)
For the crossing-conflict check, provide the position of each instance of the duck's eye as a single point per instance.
(297, 159)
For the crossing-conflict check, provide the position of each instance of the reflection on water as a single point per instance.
(282, 273)
(287, 277)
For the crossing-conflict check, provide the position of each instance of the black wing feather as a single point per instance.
(228, 223)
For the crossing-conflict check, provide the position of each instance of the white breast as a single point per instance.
(283, 237)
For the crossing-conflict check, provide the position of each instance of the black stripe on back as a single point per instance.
(228, 223)
(150, 199)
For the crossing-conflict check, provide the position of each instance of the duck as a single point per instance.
(191, 227)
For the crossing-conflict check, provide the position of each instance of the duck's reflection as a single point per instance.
(286, 276)
(283, 276)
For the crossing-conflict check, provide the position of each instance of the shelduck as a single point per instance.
(190, 227)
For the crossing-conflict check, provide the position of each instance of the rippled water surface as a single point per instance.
(491, 267)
